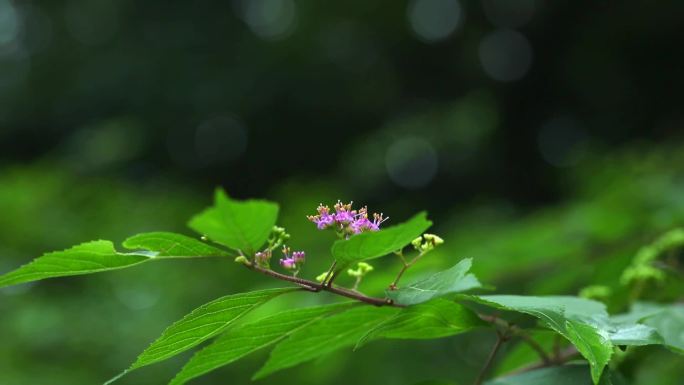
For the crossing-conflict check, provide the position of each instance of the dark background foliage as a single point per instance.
(547, 131)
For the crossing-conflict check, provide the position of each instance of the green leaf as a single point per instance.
(163, 244)
(324, 336)
(553, 310)
(635, 335)
(454, 280)
(657, 324)
(569, 374)
(370, 245)
(201, 324)
(86, 258)
(670, 325)
(99, 256)
(592, 343)
(435, 319)
(576, 319)
(558, 375)
(245, 339)
(240, 225)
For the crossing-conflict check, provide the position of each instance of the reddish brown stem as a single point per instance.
(316, 287)
(500, 339)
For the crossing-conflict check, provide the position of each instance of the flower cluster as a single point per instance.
(345, 220)
(292, 260)
(263, 258)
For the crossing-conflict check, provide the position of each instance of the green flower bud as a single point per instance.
(434, 239)
(242, 259)
(321, 276)
(362, 268)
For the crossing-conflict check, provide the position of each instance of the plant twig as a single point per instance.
(393, 285)
(518, 332)
(334, 275)
(316, 287)
(564, 356)
(500, 339)
(330, 271)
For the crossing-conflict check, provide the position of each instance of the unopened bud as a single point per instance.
(434, 239)
(362, 268)
(242, 259)
(321, 277)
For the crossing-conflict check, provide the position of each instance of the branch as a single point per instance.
(330, 271)
(562, 358)
(518, 332)
(316, 287)
(406, 265)
(500, 339)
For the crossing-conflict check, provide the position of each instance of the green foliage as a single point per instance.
(99, 256)
(522, 354)
(370, 245)
(635, 335)
(454, 280)
(426, 309)
(325, 336)
(247, 338)
(642, 268)
(90, 257)
(203, 323)
(560, 375)
(567, 316)
(240, 225)
(667, 320)
(163, 244)
(670, 324)
(434, 319)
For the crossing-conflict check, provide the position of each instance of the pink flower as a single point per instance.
(288, 263)
(343, 213)
(299, 257)
(292, 260)
(324, 219)
(346, 221)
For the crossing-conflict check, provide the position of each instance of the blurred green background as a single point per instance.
(545, 139)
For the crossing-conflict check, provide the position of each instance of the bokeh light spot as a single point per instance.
(506, 55)
(411, 162)
(434, 20)
(9, 23)
(269, 19)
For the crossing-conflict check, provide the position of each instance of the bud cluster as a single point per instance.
(426, 242)
(278, 237)
(346, 221)
(292, 260)
(362, 268)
